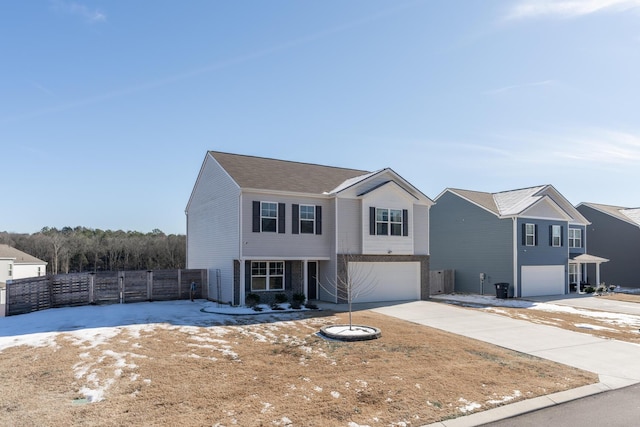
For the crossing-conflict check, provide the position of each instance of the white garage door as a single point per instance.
(385, 281)
(542, 280)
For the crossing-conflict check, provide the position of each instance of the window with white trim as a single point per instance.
(556, 236)
(574, 275)
(10, 270)
(307, 219)
(388, 222)
(267, 275)
(268, 216)
(575, 238)
(530, 234)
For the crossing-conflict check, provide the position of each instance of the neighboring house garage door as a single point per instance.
(542, 280)
(385, 281)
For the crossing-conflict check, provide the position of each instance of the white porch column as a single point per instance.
(305, 275)
(597, 274)
(579, 278)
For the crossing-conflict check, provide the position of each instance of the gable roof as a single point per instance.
(262, 173)
(630, 215)
(19, 257)
(516, 202)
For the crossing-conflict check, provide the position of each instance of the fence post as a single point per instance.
(121, 287)
(149, 285)
(92, 282)
(179, 284)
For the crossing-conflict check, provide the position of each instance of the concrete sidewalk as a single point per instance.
(617, 363)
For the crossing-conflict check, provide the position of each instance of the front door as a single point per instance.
(312, 280)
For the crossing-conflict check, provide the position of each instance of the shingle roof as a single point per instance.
(7, 251)
(481, 198)
(504, 203)
(282, 175)
(625, 214)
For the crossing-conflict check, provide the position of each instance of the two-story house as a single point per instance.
(614, 234)
(531, 238)
(270, 226)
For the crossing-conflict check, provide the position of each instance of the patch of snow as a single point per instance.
(505, 399)
(468, 406)
(593, 327)
(335, 394)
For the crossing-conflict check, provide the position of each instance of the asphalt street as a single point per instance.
(616, 408)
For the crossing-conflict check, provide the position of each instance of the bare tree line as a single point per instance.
(79, 249)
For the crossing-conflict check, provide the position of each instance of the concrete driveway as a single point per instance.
(591, 302)
(617, 363)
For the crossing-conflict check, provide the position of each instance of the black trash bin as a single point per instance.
(502, 290)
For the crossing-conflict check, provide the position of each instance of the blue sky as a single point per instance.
(107, 108)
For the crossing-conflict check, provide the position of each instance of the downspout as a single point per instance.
(516, 287)
(240, 252)
(335, 242)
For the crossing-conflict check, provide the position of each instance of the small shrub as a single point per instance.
(281, 298)
(297, 300)
(252, 300)
(589, 289)
(310, 305)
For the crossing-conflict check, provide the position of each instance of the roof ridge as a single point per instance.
(289, 161)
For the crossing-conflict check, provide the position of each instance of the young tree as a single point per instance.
(354, 280)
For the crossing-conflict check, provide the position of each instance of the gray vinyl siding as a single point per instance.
(420, 230)
(349, 236)
(287, 244)
(470, 240)
(542, 253)
(619, 242)
(212, 226)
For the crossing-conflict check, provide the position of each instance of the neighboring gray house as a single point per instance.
(614, 234)
(270, 226)
(531, 238)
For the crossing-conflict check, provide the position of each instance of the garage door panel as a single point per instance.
(539, 280)
(385, 281)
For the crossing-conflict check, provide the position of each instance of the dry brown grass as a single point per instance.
(623, 297)
(276, 374)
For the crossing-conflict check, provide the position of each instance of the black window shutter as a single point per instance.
(582, 238)
(405, 222)
(247, 276)
(535, 231)
(287, 275)
(372, 220)
(318, 219)
(561, 236)
(551, 235)
(256, 217)
(295, 220)
(524, 234)
(281, 218)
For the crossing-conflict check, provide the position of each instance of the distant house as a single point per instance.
(15, 264)
(531, 238)
(269, 226)
(614, 234)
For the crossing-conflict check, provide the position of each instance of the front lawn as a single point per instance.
(275, 373)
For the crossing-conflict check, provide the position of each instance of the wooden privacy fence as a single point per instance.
(109, 287)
